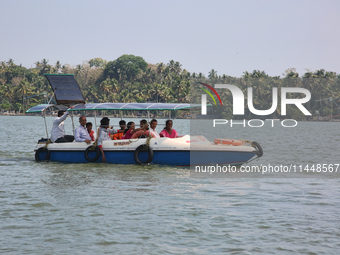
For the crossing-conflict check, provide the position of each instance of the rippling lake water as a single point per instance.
(54, 208)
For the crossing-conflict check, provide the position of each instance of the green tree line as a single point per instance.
(130, 78)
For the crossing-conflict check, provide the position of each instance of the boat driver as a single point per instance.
(58, 132)
(80, 133)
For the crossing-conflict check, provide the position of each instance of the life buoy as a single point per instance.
(92, 149)
(138, 150)
(146, 133)
(223, 141)
(237, 143)
(40, 150)
(258, 147)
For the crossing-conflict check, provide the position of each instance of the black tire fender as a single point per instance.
(258, 147)
(138, 150)
(42, 149)
(92, 149)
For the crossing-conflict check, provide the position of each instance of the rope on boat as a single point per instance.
(94, 145)
(47, 143)
(248, 142)
(147, 142)
(252, 160)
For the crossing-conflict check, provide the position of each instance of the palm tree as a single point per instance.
(57, 66)
(23, 88)
(10, 62)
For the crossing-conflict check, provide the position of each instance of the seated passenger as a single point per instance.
(168, 131)
(80, 133)
(143, 126)
(153, 125)
(119, 135)
(127, 132)
(90, 131)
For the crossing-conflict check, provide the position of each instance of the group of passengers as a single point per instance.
(166, 132)
(84, 132)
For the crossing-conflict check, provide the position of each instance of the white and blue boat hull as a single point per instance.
(184, 151)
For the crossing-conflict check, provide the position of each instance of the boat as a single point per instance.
(185, 150)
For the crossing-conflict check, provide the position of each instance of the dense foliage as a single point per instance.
(130, 79)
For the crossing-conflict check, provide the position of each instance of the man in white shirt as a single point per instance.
(58, 132)
(80, 133)
(153, 125)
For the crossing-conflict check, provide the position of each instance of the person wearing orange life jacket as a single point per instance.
(119, 135)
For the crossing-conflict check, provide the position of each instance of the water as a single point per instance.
(53, 208)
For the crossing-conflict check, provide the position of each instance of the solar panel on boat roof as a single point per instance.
(66, 89)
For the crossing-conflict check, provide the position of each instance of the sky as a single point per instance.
(230, 37)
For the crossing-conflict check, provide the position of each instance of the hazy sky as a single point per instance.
(228, 36)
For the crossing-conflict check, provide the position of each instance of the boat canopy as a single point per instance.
(67, 92)
(118, 106)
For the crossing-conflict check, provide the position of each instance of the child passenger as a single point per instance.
(90, 131)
